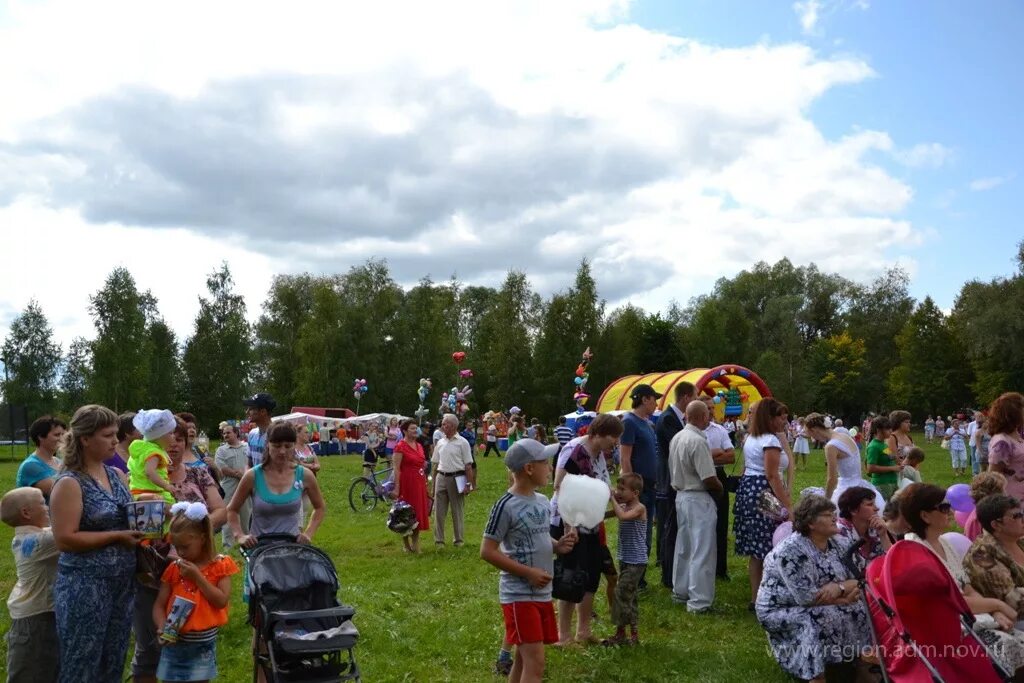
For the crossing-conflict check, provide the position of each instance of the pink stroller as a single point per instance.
(922, 625)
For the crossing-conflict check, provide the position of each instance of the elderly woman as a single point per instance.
(190, 485)
(93, 592)
(807, 602)
(995, 562)
(859, 519)
(40, 468)
(983, 485)
(926, 511)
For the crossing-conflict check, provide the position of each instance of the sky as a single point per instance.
(671, 142)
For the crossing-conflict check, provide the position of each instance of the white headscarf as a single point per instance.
(154, 423)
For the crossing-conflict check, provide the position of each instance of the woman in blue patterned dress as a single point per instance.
(808, 603)
(93, 592)
(764, 458)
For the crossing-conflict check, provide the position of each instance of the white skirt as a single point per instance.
(802, 446)
(849, 483)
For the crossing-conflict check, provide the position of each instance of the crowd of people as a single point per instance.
(87, 580)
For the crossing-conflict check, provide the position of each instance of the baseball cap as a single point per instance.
(523, 452)
(552, 450)
(643, 391)
(260, 400)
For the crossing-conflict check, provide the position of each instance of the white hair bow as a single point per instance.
(194, 511)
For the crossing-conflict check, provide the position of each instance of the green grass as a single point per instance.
(436, 617)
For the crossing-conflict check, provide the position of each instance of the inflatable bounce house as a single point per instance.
(734, 387)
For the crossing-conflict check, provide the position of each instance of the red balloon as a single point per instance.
(580, 370)
(459, 356)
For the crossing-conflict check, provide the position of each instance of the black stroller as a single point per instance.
(302, 633)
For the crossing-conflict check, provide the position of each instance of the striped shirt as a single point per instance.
(633, 541)
(564, 434)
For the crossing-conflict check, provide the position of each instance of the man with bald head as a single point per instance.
(696, 485)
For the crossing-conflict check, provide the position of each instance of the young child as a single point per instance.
(957, 436)
(33, 623)
(202, 577)
(912, 466)
(632, 556)
(147, 457)
(517, 541)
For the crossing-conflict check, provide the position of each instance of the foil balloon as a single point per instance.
(465, 374)
(458, 357)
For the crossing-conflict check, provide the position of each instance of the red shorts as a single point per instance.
(530, 622)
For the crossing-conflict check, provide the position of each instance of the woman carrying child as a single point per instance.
(203, 578)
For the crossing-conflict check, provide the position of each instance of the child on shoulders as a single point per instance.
(193, 601)
(147, 457)
(517, 541)
(33, 622)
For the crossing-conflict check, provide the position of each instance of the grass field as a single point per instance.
(436, 617)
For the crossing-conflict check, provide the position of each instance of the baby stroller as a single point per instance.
(301, 630)
(921, 624)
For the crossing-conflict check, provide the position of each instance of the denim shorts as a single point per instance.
(188, 661)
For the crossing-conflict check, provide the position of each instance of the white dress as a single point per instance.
(801, 446)
(848, 465)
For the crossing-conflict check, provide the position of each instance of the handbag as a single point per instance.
(150, 563)
(569, 583)
(771, 507)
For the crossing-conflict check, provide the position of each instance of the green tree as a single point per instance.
(507, 358)
(218, 354)
(425, 335)
(324, 367)
(840, 364)
(32, 362)
(618, 350)
(74, 376)
(285, 310)
(933, 374)
(164, 365)
(120, 353)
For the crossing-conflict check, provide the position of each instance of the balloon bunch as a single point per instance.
(454, 400)
(359, 388)
(424, 389)
(580, 395)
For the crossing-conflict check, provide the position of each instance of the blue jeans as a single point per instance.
(975, 463)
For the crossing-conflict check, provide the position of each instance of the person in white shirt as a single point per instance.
(722, 453)
(696, 484)
(972, 449)
(454, 459)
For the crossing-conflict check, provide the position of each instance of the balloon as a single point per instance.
(717, 400)
(582, 500)
(578, 380)
(465, 373)
(580, 370)
(782, 532)
(364, 388)
(961, 544)
(458, 357)
(514, 410)
(961, 518)
(421, 412)
(959, 497)
(357, 395)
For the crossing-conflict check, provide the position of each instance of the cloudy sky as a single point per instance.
(671, 141)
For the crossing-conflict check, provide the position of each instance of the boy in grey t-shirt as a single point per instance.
(517, 541)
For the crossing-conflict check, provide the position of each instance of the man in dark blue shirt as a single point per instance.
(639, 447)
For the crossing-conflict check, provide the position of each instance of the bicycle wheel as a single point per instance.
(362, 495)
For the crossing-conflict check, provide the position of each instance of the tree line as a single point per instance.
(820, 341)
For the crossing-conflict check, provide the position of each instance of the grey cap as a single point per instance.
(552, 450)
(523, 452)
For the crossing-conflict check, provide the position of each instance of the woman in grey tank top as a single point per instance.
(276, 487)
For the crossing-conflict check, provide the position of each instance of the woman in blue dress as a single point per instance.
(93, 592)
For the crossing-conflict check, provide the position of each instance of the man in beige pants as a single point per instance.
(454, 459)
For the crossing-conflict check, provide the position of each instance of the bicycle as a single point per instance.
(364, 492)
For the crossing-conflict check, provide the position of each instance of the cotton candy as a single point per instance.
(582, 500)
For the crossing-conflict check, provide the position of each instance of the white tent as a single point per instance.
(336, 421)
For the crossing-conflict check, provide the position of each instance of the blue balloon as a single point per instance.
(578, 380)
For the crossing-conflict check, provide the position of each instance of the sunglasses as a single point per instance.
(943, 507)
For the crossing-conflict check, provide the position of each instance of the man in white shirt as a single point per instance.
(722, 453)
(696, 484)
(454, 460)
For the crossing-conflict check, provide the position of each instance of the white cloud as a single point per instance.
(468, 138)
(924, 155)
(989, 183)
(807, 12)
